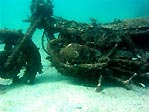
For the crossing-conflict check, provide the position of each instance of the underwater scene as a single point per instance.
(74, 56)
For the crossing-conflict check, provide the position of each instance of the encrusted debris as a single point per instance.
(116, 51)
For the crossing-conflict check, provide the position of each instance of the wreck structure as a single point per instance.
(117, 51)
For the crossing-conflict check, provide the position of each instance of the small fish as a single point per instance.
(143, 85)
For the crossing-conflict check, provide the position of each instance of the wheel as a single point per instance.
(28, 58)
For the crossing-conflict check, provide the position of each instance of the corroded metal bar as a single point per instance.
(18, 48)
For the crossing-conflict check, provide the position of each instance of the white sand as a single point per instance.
(53, 92)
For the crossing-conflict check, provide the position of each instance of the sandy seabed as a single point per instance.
(53, 92)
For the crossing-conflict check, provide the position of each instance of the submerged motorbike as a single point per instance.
(117, 51)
